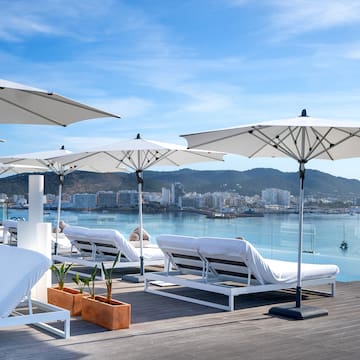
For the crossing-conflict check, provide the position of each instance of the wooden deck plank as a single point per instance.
(164, 328)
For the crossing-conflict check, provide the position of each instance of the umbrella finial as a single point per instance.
(303, 113)
(137, 137)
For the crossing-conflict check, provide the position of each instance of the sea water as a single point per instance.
(275, 236)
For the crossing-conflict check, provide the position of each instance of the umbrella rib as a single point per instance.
(32, 112)
(280, 146)
(116, 158)
(152, 157)
(166, 156)
(333, 145)
(69, 102)
(128, 161)
(295, 139)
(148, 159)
(319, 142)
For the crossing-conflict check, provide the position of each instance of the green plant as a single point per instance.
(60, 272)
(90, 282)
(108, 277)
(80, 282)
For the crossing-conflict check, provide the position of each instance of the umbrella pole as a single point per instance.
(61, 183)
(139, 277)
(301, 233)
(299, 312)
(140, 184)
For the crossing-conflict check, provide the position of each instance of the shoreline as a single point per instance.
(259, 212)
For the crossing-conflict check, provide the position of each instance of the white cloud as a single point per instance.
(301, 16)
(22, 19)
(13, 28)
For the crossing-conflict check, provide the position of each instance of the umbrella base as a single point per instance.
(134, 278)
(298, 313)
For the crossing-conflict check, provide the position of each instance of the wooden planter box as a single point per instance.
(112, 316)
(69, 299)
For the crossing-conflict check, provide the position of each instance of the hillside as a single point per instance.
(248, 182)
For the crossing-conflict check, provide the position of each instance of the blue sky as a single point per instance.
(172, 67)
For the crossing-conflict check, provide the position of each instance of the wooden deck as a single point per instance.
(164, 328)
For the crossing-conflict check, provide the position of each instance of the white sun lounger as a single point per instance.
(20, 270)
(95, 246)
(10, 231)
(230, 267)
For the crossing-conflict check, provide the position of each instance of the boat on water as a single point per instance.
(344, 245)
(225, 215)
(220, 215)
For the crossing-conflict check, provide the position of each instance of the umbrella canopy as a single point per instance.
(21, 104)
(138, 155)
(302, 138)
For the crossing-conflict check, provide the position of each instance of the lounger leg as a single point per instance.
(167, 264)
(231, 302)
(67, 328)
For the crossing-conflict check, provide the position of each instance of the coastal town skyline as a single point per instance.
(175, 197)
(170, 68)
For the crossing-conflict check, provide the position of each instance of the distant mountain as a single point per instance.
(248, 182)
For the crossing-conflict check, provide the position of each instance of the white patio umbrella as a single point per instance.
(22, 104)
(138, 155)
(302, 138)
(51, 161)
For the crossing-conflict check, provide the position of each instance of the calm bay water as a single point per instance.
(275, 236)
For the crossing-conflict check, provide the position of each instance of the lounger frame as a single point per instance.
(215, 275)
(49, 314)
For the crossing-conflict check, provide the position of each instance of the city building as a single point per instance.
(275, 197)
(165, 196)
(106, 199)
(127, 198)
(177, 192)
(84, 201)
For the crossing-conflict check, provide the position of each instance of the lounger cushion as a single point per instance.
(20, 270)
(283, 271)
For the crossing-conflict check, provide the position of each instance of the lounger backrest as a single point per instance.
(238, 250)
(20, 269)
(182, 252)
(79, 239)
(228, 258)
(100, 243)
